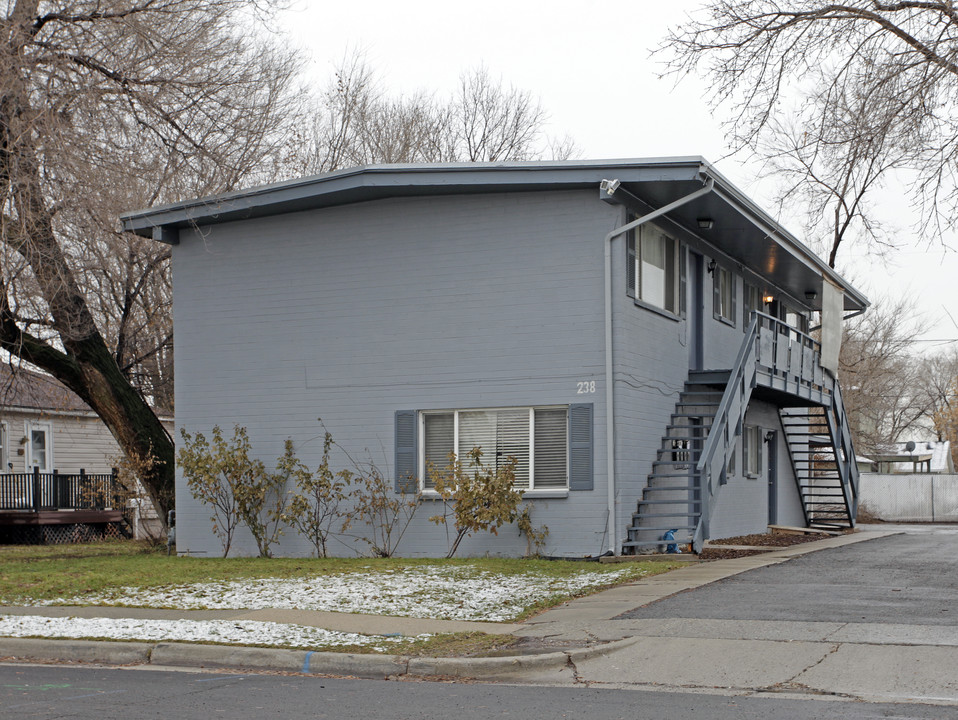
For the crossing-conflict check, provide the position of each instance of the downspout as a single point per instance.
(607, 189)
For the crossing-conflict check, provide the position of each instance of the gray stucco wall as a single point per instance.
(352, 313)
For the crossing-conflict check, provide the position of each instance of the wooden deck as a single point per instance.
(59, 517)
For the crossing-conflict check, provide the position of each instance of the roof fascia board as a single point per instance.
(364, 183)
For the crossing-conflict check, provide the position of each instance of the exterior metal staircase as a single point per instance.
(823, 460)
(671, 500)
(691, 462)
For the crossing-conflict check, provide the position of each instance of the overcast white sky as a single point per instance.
(589, 64)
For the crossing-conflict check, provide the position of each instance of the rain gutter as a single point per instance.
(607, 190)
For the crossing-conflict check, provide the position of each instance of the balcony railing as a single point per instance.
(39, 491)
(789, 360)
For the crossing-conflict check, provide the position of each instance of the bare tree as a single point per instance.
(358, 123)
(108, 105)
(870, 85)
(941, 379)
(884, 385)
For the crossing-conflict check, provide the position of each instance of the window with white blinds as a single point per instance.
(536, 437)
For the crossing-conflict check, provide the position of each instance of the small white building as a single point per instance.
(925, 456)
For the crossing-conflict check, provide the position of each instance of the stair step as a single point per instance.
(709, 377)
(636, 516)
(664, 529)
(690, 503)
(673, 488)
(650, 543)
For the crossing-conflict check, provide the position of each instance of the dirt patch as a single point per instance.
(771, 540)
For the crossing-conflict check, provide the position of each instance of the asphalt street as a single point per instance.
(861, 617)
(48, 693)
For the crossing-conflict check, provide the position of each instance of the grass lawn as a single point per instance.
(127, 573)
(40, 574)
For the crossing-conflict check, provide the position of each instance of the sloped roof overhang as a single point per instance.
(740, 229)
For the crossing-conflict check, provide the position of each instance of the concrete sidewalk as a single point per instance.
(598, 648)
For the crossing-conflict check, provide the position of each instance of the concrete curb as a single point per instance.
(90, 651)
(166, 654)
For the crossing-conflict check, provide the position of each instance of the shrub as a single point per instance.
(238, 488)
(476, 499)
(316, 509)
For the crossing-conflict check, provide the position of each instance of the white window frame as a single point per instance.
(672, 274)
(531, 490)
(753, 443)
(725, 310)
(47, 429)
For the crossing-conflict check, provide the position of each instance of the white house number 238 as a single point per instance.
(585, 387)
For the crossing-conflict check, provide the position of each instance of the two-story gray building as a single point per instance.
(634, 332)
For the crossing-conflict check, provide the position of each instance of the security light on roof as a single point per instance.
(610, 186)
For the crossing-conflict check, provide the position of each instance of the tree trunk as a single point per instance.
(85, 363)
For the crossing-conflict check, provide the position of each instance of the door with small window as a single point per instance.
(40, 447)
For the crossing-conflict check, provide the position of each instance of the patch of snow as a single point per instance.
(438, 592)
(230, 632)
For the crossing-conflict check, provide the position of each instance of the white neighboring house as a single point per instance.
(925, 456)
(44, 425)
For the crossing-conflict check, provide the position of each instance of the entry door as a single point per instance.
(696, 311)
(772, 475)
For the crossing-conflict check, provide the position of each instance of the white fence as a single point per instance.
(909, 498)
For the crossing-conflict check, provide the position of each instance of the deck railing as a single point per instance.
(38, 491)
(789, 360)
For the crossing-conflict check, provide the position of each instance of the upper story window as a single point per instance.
(535, 437)
(723, 306)
(654, 268)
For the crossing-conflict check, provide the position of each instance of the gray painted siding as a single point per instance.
(352, 313)
(652, 363)
(651, 367)
(722, 341)
(742, 505)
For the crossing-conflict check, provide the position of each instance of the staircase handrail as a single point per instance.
(843, 436)
(740, 384)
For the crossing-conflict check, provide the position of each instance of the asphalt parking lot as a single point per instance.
(902, 579)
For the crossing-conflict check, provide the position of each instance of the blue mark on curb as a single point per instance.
(306, 661)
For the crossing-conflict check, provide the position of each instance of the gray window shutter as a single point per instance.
(406, 451)
(746, 468)
(683, 281)
(760, 439)
(630, 263)
(580, 446)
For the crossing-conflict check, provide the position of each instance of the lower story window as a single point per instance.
(752, 450)
(537, 437)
